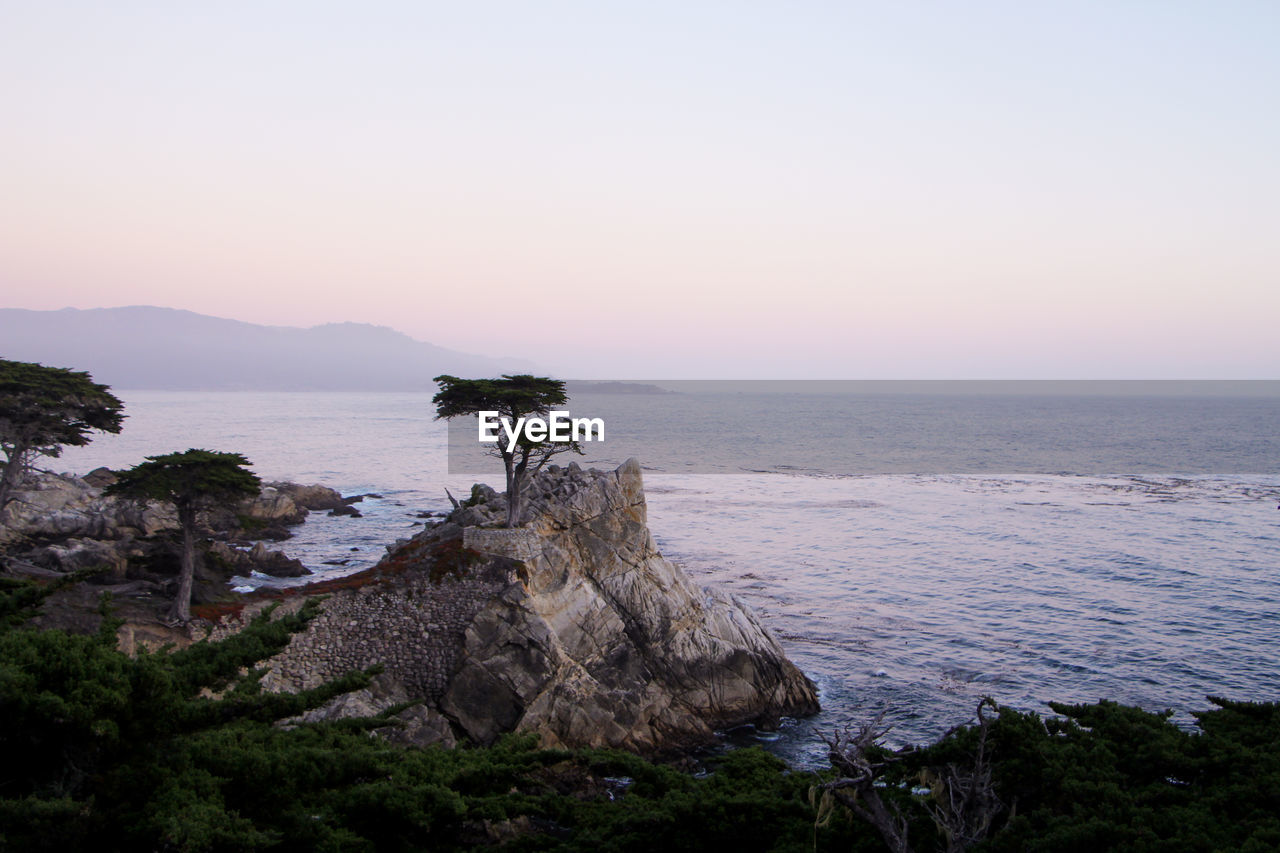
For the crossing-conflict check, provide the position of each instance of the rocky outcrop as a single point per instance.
(59, 506)
(49, 506)
(61, 523)
(239, 561)
(313, 497)
(572, 626)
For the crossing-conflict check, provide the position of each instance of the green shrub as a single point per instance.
(104, 751)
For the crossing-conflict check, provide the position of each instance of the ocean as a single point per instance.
(914, 549)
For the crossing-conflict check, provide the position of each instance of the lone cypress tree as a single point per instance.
(189, 480)
(513, 398)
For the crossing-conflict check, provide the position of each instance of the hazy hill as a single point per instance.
(164, 348)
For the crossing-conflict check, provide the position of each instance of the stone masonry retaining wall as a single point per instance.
(413, 627)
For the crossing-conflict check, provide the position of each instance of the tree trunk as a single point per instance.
(513, 491)
(181, 610)
(11, 478)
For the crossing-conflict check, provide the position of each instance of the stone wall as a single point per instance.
(413, 627)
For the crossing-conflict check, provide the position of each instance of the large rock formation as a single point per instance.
(572, 626)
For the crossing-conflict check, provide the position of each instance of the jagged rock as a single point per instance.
(382, 692)
(348, 511)
(484, 508)
(270, 508)
(313, 497)
(267, 515)
(422, 725)
(573, 626)
(100, 478)
(610, 644)
(51, 506)
(276, 563)
(485, 494)
(257, 559)
(75, 554)
(417, 725)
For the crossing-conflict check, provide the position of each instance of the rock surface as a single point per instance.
(60, 524)
(49, 506)
(60, 506)
(572, 626)
(313, 497)
(257, 559)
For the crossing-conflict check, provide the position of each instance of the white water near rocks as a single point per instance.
(919, 593)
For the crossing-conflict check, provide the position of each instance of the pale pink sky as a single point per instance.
(823, 190)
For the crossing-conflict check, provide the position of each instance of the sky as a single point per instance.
(923, 190)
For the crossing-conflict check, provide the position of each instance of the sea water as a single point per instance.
(912, 552)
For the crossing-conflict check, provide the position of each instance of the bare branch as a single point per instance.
(851, 755)
(965, 802)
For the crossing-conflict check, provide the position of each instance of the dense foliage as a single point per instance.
(180, 750)
(42, 410)
(511, 395)
(1099, 777)
(1111, 777)
(187, 478)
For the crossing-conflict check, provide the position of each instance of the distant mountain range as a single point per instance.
(144, 347)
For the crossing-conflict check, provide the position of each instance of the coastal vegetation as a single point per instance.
(187, 750)
(183, 750)
(188, 480)
(42, 410)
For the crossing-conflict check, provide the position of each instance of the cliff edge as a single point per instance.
(572, 626)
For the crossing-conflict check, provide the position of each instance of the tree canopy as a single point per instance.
(513, 397)
(189, 477)
(43, 409)
(187, 480)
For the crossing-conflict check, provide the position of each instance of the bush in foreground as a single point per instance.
(181, 750)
